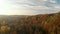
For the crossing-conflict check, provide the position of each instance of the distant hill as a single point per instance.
(36, 24)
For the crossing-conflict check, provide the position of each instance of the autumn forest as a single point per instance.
(36, 24)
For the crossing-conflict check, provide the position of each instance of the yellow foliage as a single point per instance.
(3, 28)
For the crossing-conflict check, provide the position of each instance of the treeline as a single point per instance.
(38, 24)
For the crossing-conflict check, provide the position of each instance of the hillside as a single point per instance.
(37, 24)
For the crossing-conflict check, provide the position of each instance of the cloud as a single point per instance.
(57, 7)
(28, 7)
(22, 12)
(38, 6)
(25, 12)
(52, 1)
(45, 0)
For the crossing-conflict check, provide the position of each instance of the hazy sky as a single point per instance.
(28, 7)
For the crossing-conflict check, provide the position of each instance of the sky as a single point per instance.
(29, 7)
